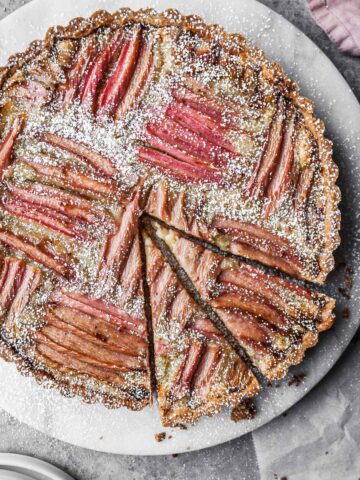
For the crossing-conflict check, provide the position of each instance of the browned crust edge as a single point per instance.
(176, 414)
(46, 379)
(309, 340)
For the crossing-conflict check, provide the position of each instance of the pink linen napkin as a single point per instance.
(340, 19)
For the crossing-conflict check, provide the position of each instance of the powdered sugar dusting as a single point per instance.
(120, 142)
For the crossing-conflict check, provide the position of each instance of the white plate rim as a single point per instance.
(33, 465)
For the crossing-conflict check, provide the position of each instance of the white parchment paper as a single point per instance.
(318, 439)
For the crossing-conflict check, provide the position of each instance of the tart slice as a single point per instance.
(273, 319)
(197, 370)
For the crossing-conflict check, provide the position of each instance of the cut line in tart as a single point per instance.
(197, 371)
(274, 320)
(134, 138)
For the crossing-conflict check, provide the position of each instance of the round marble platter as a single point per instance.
(125, 432)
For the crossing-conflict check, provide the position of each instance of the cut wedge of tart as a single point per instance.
(273, 319)
(143, 114)
(197, 370)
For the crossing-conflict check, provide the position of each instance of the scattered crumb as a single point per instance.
(348, 279)
(345, 313)
(349, 270)
(174, 455)
(246, 410)
(344, 293)
(340, 265)
(272, 384)
(181, 426)
(296, 379)
(160, 437)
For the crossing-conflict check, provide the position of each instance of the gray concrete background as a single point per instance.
(233, 460)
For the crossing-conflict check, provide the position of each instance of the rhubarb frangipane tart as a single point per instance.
(145, 114)
(197, 370)
(273, 319)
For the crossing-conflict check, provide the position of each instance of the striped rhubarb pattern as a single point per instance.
(258, 243)
(67, 177)
(85, 153)
(37, 253)
(18, 282)
(68, 204)
(118, 245)
(267, 315)
(7, 144)
(110, 79)
(55, 209)
(207, 369)
(193, 140)
(100, 309)
(82, 63)
(243, 238)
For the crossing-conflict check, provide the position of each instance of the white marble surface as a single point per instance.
(222, 462)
